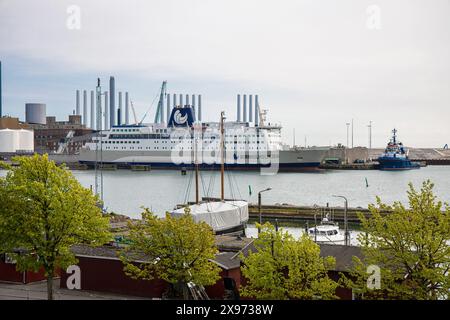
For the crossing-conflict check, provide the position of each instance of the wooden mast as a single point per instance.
(222, 153)
(196, 170)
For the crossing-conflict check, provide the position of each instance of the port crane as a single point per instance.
(64, 143)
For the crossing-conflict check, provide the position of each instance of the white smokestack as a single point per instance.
(127, 110)
(256, 111)
(193, 107)
(119, 120)
(199, 107)
(245, 108)
(238, 111)
(106, 111)
(85, 112)
(77, 112)
(168, 107)
(250, 108)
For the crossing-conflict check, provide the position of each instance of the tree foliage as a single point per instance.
(411, 246)
(44, 211)
(285, 268)
(175, 249)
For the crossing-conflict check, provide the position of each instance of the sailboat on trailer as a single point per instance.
(224, 216)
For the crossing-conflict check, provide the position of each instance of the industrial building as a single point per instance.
(49, 136)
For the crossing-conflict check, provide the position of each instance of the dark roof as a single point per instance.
(223, 259)
(231, 259)
(342, 254)
(100, 252)
(227, 260)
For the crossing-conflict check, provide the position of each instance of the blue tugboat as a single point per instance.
(395, 156)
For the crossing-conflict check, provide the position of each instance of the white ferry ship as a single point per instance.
(172, 145)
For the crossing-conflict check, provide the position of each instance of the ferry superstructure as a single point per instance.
(172, 145)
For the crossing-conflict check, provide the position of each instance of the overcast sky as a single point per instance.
(315, 64)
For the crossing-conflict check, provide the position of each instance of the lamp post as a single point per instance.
(259, 207)
(370, 134)
(345, 218)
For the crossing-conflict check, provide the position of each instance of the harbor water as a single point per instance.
(127, 191)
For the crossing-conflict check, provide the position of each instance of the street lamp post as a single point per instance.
(345, 218)
(259, 207)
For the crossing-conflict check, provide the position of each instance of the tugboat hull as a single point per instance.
(388, 163)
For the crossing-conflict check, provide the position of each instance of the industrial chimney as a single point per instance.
(127, 110)
(106, 111)
(85, 112)
(119, 117)
(174, 100)
(245, 108)
(199, 107)
(250, 108)
(168, 108)
(256, 111)
(238, 111)
(193, 107)
(112, 102)
(77, 108)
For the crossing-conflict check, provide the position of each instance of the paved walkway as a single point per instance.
(38, 291)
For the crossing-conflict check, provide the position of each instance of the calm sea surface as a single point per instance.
(127, 191)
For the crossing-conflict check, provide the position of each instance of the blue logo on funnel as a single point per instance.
(181, 117)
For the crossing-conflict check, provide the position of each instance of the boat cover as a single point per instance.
(220, 215)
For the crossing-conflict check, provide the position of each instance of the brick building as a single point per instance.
(48, 137)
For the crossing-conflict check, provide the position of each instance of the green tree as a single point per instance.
(409, 245)
(177, 250)
(285, 268)
(44, 211)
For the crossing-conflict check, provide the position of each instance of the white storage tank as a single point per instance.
(35, 113)
(9, 140)
(26, 140)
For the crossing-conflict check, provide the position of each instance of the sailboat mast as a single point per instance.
(222, 153)
(196, 171)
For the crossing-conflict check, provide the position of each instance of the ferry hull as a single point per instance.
(288, 161)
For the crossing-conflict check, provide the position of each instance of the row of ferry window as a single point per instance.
(166, 148)
(137, 141)
(125, 130)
